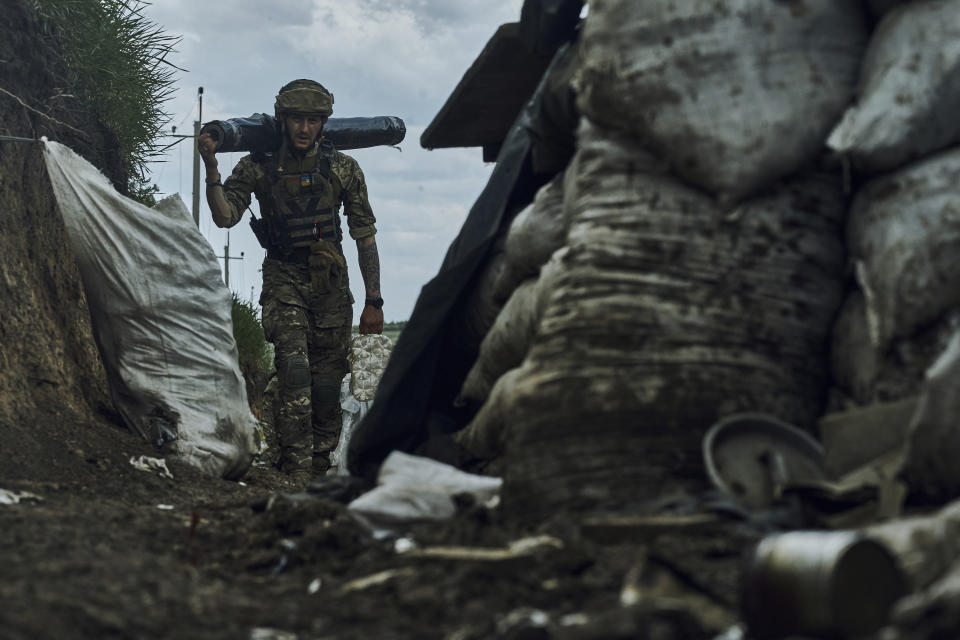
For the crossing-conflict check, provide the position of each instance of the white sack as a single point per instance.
(904, 234)
(162, 318)
(909, 89)
(734, 94)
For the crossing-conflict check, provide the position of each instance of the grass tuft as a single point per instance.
(118, 59)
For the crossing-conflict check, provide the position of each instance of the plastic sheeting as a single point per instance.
(161, 316)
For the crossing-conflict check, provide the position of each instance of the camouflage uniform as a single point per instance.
(307, 305)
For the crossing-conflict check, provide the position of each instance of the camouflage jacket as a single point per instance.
(356, 205)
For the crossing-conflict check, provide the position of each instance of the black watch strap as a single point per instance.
(376, 303)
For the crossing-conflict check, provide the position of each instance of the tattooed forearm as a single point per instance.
(369, 265)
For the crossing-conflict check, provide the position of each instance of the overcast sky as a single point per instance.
(401, 58)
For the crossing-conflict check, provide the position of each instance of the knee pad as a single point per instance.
(297, 372)
(326, 391)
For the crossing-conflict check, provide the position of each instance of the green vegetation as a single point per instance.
(390, 329)
(254, 351)
(118, 59)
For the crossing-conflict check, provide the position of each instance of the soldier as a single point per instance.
(306, 300)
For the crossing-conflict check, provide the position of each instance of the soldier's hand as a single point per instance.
(371, 320)
(207, 147)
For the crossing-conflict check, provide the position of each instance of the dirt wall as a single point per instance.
(52, 383)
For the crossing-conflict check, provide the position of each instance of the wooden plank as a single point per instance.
(853, 438)
(490, 95)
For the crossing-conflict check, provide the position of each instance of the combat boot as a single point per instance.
(321, 464)
(296, 463)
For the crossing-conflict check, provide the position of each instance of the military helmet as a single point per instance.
(303, 96)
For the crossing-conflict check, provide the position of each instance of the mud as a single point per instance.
(107, 551)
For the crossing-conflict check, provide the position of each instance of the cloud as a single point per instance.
(400, 58)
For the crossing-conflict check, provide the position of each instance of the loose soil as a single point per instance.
(108, 551)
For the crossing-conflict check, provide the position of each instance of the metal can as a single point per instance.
(834, 584)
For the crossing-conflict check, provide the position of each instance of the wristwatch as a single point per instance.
(376, 303)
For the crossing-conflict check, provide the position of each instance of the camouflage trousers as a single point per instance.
(310, 331)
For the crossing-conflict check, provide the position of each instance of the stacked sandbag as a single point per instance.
(903, 235)
(534, 234)
(897, 335)
(670, 312)
(733, 94)
(503, 349)
(909, 89)
(864, 375)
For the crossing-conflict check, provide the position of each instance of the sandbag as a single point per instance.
(904, 236)
(162, 318)
(732, 94)
(508, 340)
(866, 375)
(534, 234)
(482, 304)
(484, 438)
(368, 357)
(672, 311)
(909, 93)
(933, 443)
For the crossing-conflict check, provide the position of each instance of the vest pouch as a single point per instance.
(327, 268)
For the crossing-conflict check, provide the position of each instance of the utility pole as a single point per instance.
(226, 261)
(196, 160)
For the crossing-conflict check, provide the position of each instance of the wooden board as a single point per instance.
(489, 97)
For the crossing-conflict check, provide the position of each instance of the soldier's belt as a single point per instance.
(297, 256)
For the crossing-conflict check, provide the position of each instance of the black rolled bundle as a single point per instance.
(261, 133)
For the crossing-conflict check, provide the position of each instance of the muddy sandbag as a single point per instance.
(866, 375)
(925, 546)
(507, 342)
(672, 311)
(483, 304)
(734, 94)
(533, 236)
(162, 318)
(904, 236)
(933, 443)
(484, 438)
(931, 613)
(909, 89)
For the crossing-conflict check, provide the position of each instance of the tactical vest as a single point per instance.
(300, 200)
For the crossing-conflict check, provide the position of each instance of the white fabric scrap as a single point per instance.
(152, 465)
(414, 489)
(16, 497)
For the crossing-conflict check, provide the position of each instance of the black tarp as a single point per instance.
(432, 356)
